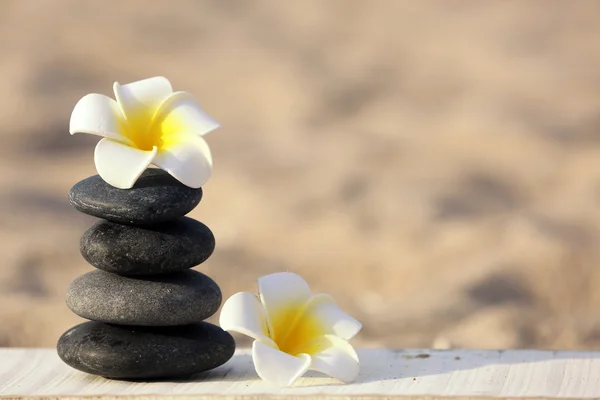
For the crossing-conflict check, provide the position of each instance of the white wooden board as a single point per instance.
(385, 374)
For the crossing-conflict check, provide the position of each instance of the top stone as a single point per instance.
(156, 197)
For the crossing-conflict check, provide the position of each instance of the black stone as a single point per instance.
(132, 250)
(156, 197)
(164, 300)
(122, 352)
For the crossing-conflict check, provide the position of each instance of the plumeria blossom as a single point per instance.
(293, 331)
(147, 124)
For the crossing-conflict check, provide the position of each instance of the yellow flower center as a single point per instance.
(294, 330)
(146, 130)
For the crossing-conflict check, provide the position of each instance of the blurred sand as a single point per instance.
(434, 165)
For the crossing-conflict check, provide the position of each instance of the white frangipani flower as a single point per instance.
(293, 331)
(147, 124)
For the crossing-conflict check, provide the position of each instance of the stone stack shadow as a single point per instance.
(145, 304)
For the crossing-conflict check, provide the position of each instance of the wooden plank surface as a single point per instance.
(419, 374)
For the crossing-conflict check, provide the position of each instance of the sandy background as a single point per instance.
(434, 165)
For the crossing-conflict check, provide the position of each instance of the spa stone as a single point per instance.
(179, 298)
(156, 197)
(134, 353)
(132, 250)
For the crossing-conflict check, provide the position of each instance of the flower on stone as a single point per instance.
(293, 331)
(147, 124)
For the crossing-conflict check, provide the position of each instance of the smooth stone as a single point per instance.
(122, 352)
(156, 197)
(132, 250)
(179, 298)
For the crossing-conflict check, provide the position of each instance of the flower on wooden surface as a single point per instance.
(147, 124)
(293, 331)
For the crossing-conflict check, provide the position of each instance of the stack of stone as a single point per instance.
(147, 307)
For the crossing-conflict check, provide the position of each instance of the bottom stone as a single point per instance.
(129, 352)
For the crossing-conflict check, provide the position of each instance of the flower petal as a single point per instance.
(142, 97)
(97, 114)
(120, 165)
(277, 367)
(333, 320)
(187, 158)
(335, 357)
(283, 295)
(244, 313)
(181, 113)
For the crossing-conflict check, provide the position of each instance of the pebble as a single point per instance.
(156, 197)
(133, 250)
(179, 298)
(145, 353)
